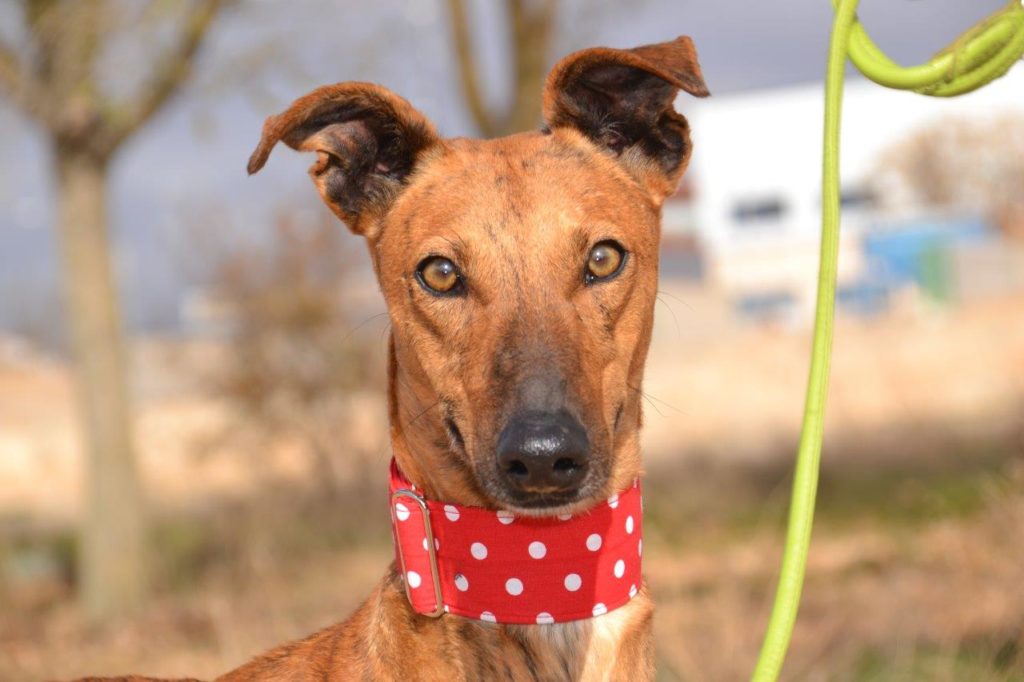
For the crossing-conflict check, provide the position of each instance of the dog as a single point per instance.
(520, 277)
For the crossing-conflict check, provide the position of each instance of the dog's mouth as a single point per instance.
(554, 503)
(541, 502)
(455, 434)
(552, 507)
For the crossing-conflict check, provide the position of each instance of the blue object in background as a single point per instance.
(769, 306)
(900, 253)
(865, 297)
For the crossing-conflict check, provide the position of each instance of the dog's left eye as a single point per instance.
(604, 261)
(439, 276)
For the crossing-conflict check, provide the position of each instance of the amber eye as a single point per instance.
(605, 261)
(439, 276)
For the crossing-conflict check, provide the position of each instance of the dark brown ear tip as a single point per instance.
(268, 139)
(695, 82)
(266, 145)
(257, 160)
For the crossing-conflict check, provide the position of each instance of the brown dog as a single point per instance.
(520, 277)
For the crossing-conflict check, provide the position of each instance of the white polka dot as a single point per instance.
(506, 517)
(573, 582)
(632, 591)
(613, 501)
(461, 582)
(640, 547)
(537, 550)
(426, 547)
(444, 607)
(600, 609)
(451, 512)
(488, 616)
(478, 550)
(620, 568)
(545, 618)
(564, 517)
(401, 511)
(629, 524)
(437, 544)
(514, 586)
(594, 542)
(414, 579)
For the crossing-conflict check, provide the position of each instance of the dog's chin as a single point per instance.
(544, 503)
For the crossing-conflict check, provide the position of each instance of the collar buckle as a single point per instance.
(430, 547)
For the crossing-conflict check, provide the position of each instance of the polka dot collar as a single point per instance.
(502, 568)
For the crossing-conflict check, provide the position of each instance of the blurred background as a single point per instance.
(193, 436)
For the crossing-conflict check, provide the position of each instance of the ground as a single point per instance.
(915, 572)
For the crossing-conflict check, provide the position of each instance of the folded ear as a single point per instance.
(622, 100)
(367, 141)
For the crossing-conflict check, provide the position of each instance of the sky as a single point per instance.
(179, 194)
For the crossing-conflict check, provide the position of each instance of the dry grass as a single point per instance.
(917, 570)
(939, 599)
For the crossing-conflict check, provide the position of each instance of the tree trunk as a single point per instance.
(111, 552)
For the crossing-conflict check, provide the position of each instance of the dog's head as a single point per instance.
(520, 273)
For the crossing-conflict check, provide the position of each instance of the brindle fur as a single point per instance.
(518, 214)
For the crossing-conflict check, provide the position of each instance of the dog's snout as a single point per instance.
(543, 452)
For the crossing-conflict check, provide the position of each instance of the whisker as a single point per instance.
(666, 403)
(361, 325)
(679, 330)
(663, 402)
(645, 397)
(424, 411)
(384, 332)
(671, 295)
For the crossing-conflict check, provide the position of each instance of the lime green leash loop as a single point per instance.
(978, 57)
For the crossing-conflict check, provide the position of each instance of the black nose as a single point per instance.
(543, 452)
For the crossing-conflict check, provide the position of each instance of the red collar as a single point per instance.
(502, 568)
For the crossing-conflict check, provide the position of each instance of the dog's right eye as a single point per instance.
(439, 276)
(604, 262)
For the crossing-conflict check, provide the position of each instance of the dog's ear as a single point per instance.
(367, 141)
(623, 101)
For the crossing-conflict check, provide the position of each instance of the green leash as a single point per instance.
(978, 57)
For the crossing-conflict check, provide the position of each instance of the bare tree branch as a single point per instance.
(11, 70)
(468, 73)
(56, 86)
(173, 69)
(17, 85)
(530, 25)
